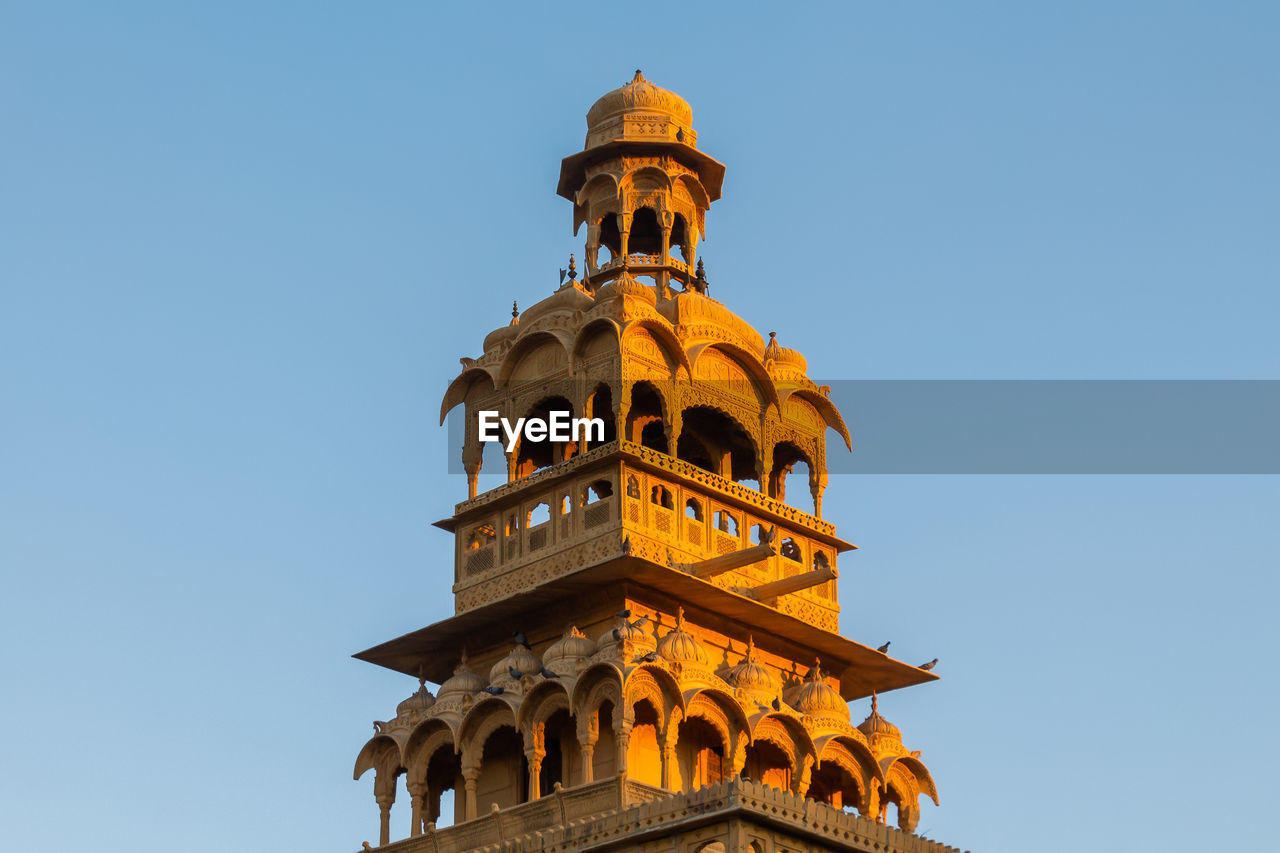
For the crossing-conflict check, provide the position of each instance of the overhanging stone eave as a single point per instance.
(860, 668)
(573, 168)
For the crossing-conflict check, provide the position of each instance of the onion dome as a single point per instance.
(463, 682)
(876, 727)
(564, 654)
(418, 703)
(816, 698)
(690, 308)
(519, 658)
(639, 109)
(781, 356)
(680, 646)
(627, 285)
(625, 635)
(504, 333)
(569, 298)
(750, 676)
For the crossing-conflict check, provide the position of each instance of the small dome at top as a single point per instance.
(816, 698)
(563, 655)
(419, 702)
(641, 98)
(519, 658)
(569, 298)
(504, 333)
(781, 355)
(750, 675)
(627, 285)
(875, 724)
(463, 682)
(680, 646)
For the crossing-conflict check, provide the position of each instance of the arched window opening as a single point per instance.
(444, 778)
(540, 514)
(759, 534)
(481, 537)
(699, 754)
(790, 549)
(768, 765)
(726, 522)
(534, 455)
(820, 561)
(645, 237)
(693, 509)
(597, 491)
(633, 487)
(512, 526)
(644, 758)
(891, 806)
(644, 421)
(601, 406)
(560, 763)
(726, 448)
(833, 785)
(661, 496)
(679, 237)
(504, 771)
(610, 238)
(604, 757)
(691, 449)
(790, 465)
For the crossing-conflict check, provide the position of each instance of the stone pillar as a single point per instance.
(534, 757)
(384, 818)
(622, 732)
(593, 246)
(417, 801)
(587, 736)
(624, 229)
(908, 817)
(470, 775)
(664, 257)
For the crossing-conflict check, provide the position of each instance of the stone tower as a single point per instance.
(645, 651)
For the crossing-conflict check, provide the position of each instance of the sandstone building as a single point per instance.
(645, 654)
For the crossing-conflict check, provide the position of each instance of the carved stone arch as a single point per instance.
(696, 192)
(543, 700)
(798, 741)
(827, 409)
(427, 738)
(645, 178)
(526, 344)
(459, 387)
(766, 391)
(771, 730)
(482, 720)
(722, 711)
(668, 342)
(860, 752)
(921, 779)
(596, 684)
(653, 682)
(838, 753)
(380, 751)
(588, 334)
(599, 185)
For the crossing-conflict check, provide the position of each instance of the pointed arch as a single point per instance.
(749, 362)
(826, 408)
(588, 333)
(424, 741)
(459, 388)
(544, 699)
(666, 338)
(378, 749)
(919, 775)
(596, 684)
(524, 345)
(482, 719)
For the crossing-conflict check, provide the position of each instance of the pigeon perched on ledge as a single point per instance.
(884, 650)
(928, 666)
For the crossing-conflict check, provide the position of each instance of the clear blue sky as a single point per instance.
(242, 246)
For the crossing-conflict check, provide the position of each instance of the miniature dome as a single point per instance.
(504, 333)
(463, 682)
(693, 309)
(751, 676)
(640, 98)
(782, 356)
(519, 658)
(568, 299)
(627, 285)
(563, 655)
(418, 703)
(680, 646)
(816, 698)
(876, 725)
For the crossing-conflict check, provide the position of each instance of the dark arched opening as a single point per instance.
(601, 406)
(645, 237)
(768, 764)
(720, 442)
(699, 754)
(644, 420)
(533, 455)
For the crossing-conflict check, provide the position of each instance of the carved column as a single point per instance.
(816, 486)
(908, 817)
(664, 256)
(622, 723)
(624, 230)
(469, 777)
(593, 246)
(535, 750)
(384, 818)
(417, 802)
(800, 781)
(588, 734)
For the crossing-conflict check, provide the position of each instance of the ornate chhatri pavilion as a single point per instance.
(645, 651)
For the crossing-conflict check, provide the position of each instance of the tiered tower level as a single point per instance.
(645, 653)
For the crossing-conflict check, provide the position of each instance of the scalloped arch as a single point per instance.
(425, 740)
(375, 748)
(597, 677)
(666, 338)
(546, 697)
(827, 409)
(589, 331)
(523, 345)
(748, 362)
(919, 774)
(484, 717)
(458, 388)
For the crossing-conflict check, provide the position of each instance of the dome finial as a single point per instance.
(874, 704)
(639, 75)
(515, 310)
(680, 618)
(422, 674)
(751, 647)
(573, 268)
(815, 674)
